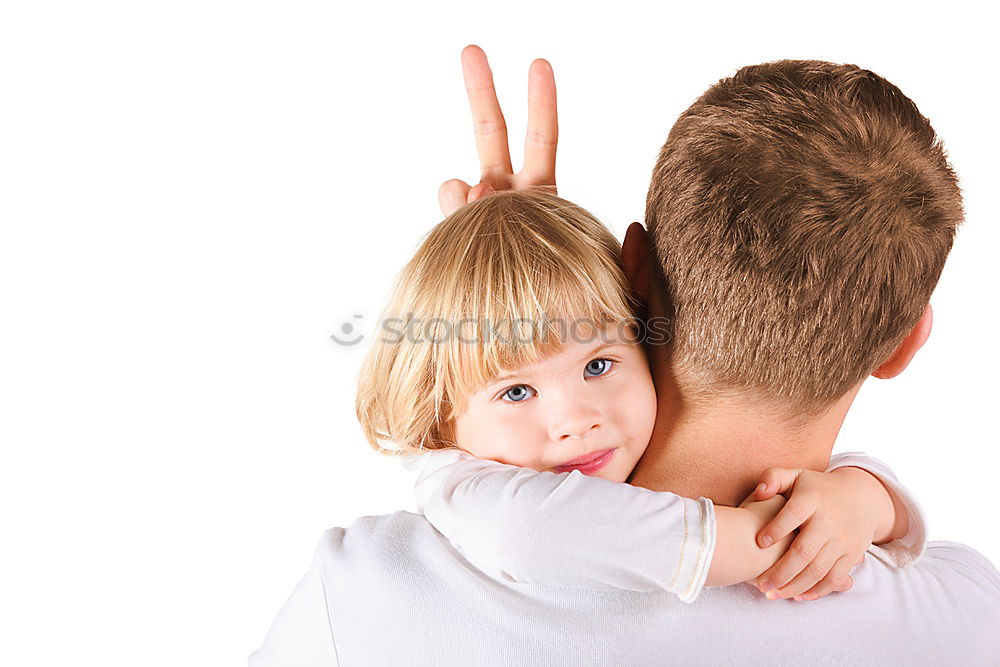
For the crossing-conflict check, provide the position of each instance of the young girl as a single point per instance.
(510, 366)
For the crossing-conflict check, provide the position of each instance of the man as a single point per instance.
(767, 234)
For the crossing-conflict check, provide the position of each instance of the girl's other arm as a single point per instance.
(906, 537)
(842, 513)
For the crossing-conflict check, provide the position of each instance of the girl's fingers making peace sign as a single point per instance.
(496, 171)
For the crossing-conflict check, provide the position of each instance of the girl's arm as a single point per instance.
(575, 531)
(839, 514)
(907, 538)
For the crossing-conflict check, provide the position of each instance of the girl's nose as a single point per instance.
(574, 419)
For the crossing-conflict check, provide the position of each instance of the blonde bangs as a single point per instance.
(501, 283)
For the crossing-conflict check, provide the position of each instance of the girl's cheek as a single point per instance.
(513, 440)
(643, 401)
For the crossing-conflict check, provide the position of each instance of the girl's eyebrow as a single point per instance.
(603, 346)
(500, 379)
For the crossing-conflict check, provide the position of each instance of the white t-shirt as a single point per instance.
(393, 590)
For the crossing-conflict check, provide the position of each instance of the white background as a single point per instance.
(195, 195)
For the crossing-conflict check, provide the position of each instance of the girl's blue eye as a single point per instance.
(598, 367)
(518, 393)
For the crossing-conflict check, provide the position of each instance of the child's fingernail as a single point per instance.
(772, 595)
(765, 541)
(799, 598)
(762, 487)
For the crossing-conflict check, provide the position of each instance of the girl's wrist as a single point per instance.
(737, 557)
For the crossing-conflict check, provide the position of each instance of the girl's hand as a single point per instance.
(839, 513)
(496, 172)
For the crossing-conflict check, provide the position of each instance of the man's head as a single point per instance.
(801, 213)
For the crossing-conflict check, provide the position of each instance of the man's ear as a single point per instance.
(635, 260)
(905, 351)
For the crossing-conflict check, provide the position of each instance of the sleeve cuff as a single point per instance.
(698, 552)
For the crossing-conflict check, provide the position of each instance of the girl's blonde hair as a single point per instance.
(491, 288)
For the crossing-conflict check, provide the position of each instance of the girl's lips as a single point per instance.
(588, 463)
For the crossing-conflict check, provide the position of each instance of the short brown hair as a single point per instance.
(802, 212)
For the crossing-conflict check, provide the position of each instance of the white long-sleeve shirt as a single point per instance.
(572, 530)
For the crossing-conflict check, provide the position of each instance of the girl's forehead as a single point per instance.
(581, 331)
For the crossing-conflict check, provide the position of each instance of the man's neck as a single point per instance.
(719, 450)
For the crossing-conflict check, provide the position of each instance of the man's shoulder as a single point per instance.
(400, 530)
(953, 585)
(386, 551)
(963, 561)
(386, 571)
